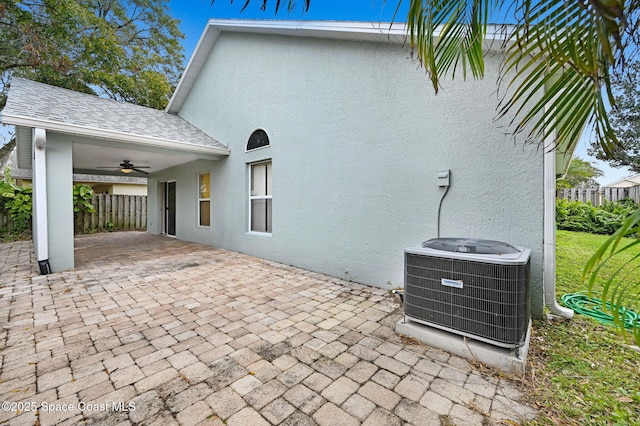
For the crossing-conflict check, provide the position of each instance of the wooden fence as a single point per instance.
(597, 196)
(113, 212)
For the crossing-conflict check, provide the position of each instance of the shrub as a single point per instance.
(584, 217)
(18, 202)
(82, 196)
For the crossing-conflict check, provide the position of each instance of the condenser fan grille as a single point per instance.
(483, 300)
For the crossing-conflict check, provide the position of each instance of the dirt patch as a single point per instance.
(225, 372)
(273, 352)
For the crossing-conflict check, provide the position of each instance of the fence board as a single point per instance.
(143, 214)
(5, 221)
(137, 213)
(125, 217)
(119, 214)
(108, 214)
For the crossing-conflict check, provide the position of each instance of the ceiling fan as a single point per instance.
(127, 167)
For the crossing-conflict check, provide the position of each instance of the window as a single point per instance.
(204, 199)
(258, 139)
(260, 197)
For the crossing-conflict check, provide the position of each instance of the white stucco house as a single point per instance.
(315, 144)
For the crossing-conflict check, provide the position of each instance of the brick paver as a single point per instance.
(150, 330)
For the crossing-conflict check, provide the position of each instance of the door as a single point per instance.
(170, 209)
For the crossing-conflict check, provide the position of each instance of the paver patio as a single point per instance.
(154, 331)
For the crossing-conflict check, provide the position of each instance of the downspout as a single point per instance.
(41, 224)
(549, 274)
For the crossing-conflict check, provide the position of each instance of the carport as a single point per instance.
(60, 132)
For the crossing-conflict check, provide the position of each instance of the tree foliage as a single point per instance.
(580, 173)
(16, 201)
(127, 50)
(625, 120)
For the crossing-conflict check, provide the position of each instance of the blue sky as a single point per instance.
(194, 14)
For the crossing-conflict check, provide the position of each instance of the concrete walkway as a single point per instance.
(150, 330)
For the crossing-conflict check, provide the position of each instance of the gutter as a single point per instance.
(112, 134)
(549, 251)
(40, 220)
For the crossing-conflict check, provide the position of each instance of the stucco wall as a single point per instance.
(357, 137)
(186, 179)
(120, 189)
(60, 201)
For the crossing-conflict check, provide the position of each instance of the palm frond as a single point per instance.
(447, 36)
(573, 40)
(557, 66)
(291, 4)
(623, 285)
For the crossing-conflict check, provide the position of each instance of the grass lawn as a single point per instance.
(581, 372)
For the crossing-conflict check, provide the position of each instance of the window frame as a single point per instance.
(201, 199)
(266, 135)
(259, 197)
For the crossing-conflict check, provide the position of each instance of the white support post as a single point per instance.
(40, 222)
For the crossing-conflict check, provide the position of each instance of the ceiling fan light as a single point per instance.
(126, 170)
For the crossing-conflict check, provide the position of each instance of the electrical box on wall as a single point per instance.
(443, 178)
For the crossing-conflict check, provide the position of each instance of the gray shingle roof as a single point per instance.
(45, 103)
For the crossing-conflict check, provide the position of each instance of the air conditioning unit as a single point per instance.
(474, 288)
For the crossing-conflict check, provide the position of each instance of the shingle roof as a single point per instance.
(62, 107)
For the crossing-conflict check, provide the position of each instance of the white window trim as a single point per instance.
(258, 197)
(257, 149)
(198, 223)
(246, 150)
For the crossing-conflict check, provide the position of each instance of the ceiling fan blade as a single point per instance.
(107, 167)
(140, 167)
(139, 171)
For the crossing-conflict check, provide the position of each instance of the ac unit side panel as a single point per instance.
(492, 303)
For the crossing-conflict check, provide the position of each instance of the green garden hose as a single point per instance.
(592, 307)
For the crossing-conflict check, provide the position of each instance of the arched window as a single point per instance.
(258, 139)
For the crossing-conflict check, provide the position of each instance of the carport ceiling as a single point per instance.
(88, 157)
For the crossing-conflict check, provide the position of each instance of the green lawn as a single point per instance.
(582, 372)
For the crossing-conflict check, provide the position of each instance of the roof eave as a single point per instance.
(79, 130)
(195, 64)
